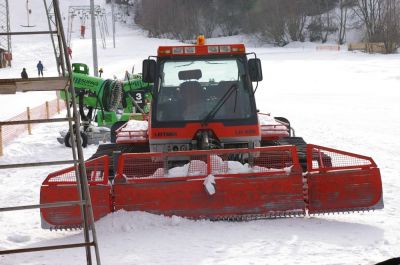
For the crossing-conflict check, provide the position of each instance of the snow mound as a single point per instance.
(134, 125)
(18, 238)
(123, 221)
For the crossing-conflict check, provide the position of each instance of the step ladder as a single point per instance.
(63, 82)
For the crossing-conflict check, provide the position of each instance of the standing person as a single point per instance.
(40, 68)
(24, 74)
(101, 71)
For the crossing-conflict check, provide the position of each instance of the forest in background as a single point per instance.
(276, 22)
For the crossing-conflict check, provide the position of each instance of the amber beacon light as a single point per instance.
(201, 40)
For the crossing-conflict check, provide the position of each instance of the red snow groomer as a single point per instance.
(205, 152)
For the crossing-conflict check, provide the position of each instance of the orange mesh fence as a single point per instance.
(321, 158)
(96, 172)
(260, 161)
(44, 111)
(10, 132)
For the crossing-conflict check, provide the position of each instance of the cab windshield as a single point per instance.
(190, 89)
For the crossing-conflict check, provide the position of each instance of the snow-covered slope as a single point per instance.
(340, 99)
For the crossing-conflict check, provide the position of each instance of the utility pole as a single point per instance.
(27, 11)
(94, 42)
(113, 21)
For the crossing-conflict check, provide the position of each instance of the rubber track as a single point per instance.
(251, 217)
(300, 144)
(108, 149)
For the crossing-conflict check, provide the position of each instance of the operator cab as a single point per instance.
(202, 90)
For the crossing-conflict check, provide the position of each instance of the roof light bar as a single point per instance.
(177, 50)
(190, 50)
(225, 48)
(201, 50)
(213, 49)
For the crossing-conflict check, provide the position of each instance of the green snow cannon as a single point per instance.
(109, 101)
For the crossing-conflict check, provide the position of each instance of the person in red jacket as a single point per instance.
(69, 51)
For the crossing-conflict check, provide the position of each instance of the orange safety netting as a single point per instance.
(44, 111)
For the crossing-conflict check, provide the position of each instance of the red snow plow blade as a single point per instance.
(347, 182)
(61, 186)
(213, 184)
(224, 184)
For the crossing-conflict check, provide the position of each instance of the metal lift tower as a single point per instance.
(5, 40)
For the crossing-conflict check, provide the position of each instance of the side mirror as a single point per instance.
(255, 70)
(149, 68)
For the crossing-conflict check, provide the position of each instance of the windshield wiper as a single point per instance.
(187, 64)
(220, 103)
(208, 62)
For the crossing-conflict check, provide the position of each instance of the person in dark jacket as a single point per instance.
(24, 74)
(40, 68)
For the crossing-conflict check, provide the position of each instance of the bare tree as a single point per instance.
(231, 14)
(370, 12)
(390, 25)
(208, 18)
(270, 22)
(381, 21)
(328, 26)
(273, 21)
(296, 18)
(344, 6)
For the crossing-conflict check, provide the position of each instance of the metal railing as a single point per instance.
(84, 201)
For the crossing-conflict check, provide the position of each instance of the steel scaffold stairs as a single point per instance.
(63, 82)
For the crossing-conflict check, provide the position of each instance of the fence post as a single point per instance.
(28, 114)
(1, 141)
(47, 110)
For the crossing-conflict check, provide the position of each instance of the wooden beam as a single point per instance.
(27, 33)
(8, 87)
(11, 86)
(4, 123)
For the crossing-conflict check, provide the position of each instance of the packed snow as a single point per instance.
(218, 166)
(345, 100)
(134, 125)
(133, 131)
